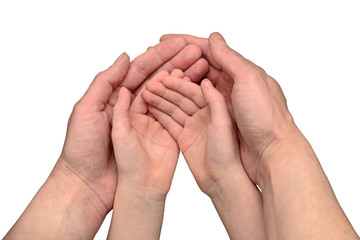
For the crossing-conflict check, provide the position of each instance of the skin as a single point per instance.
(197, 117)
(146, 157)
(80, 191)
(299, 202)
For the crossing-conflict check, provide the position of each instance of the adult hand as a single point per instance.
(84, 179)
(261, 111)
(87, 152)
(197, 117)
(297, 194)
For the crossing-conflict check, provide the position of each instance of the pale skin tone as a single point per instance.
(80, 191)
(197, 117)
(299, 202)
(297, 198)
(146, 156)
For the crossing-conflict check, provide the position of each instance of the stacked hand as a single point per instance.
(234, 130)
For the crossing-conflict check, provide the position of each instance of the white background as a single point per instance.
(51, 50)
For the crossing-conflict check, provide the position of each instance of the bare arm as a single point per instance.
(80, 191)
(299, 202)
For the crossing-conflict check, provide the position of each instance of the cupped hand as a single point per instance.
(201, 125)
(87, 157)
(146, 154)
(254, 99)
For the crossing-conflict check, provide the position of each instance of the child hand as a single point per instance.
(197, 117)
(145, 153)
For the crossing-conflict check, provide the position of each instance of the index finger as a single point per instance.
(203, 43)
(142, 66)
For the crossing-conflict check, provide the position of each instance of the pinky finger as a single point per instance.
(167, 122)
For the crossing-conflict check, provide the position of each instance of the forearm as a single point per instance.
(298, 195)
(137, 214)
(62, 209)
(239, 205)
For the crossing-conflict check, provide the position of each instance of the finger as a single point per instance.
(203, 43)
(142, 66)
(187, 79)
(188, 89)
(121, 120)
(158, 78)
(138, 106)
(104, 83)
(218, 109)
(165, 106)
(167, 122)
(231, 61)
(184, 103)
(214, 75)
(188, 56)
(177, 73)
(197, 71)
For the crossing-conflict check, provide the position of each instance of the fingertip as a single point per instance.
(123, 57)
(123, 103)
(145, 94)
(212, 95)
(207, 84)
(159, 76)
(123, 90)
(217, 38)
(167, 36)
(149, 97)
(187, 79)
(177, 73)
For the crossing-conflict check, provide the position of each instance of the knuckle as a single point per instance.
(99, 75)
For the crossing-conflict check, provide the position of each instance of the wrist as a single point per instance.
(239, 205)
(136, 205)
(73, 190)
(131, 189)
(288, 150)
(227, 186)
(60, 209)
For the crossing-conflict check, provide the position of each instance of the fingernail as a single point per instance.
(217, 38)
(120, 57)
(207, 84)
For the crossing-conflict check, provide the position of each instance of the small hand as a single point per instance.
(87, 156)
(201, 125)
(146, 154)
(197, 117)
(255, 100)
(146, 157)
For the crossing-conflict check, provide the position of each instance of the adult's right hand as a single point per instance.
(254, 99)
(298, 199)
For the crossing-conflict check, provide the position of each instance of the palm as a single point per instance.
(195, 143)
(146, 154)
(88, 153)
(158, 149)
(192, 136)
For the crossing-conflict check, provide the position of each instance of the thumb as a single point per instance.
(218, 110)
(104, 83)
(121, 119)
(228, 59)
